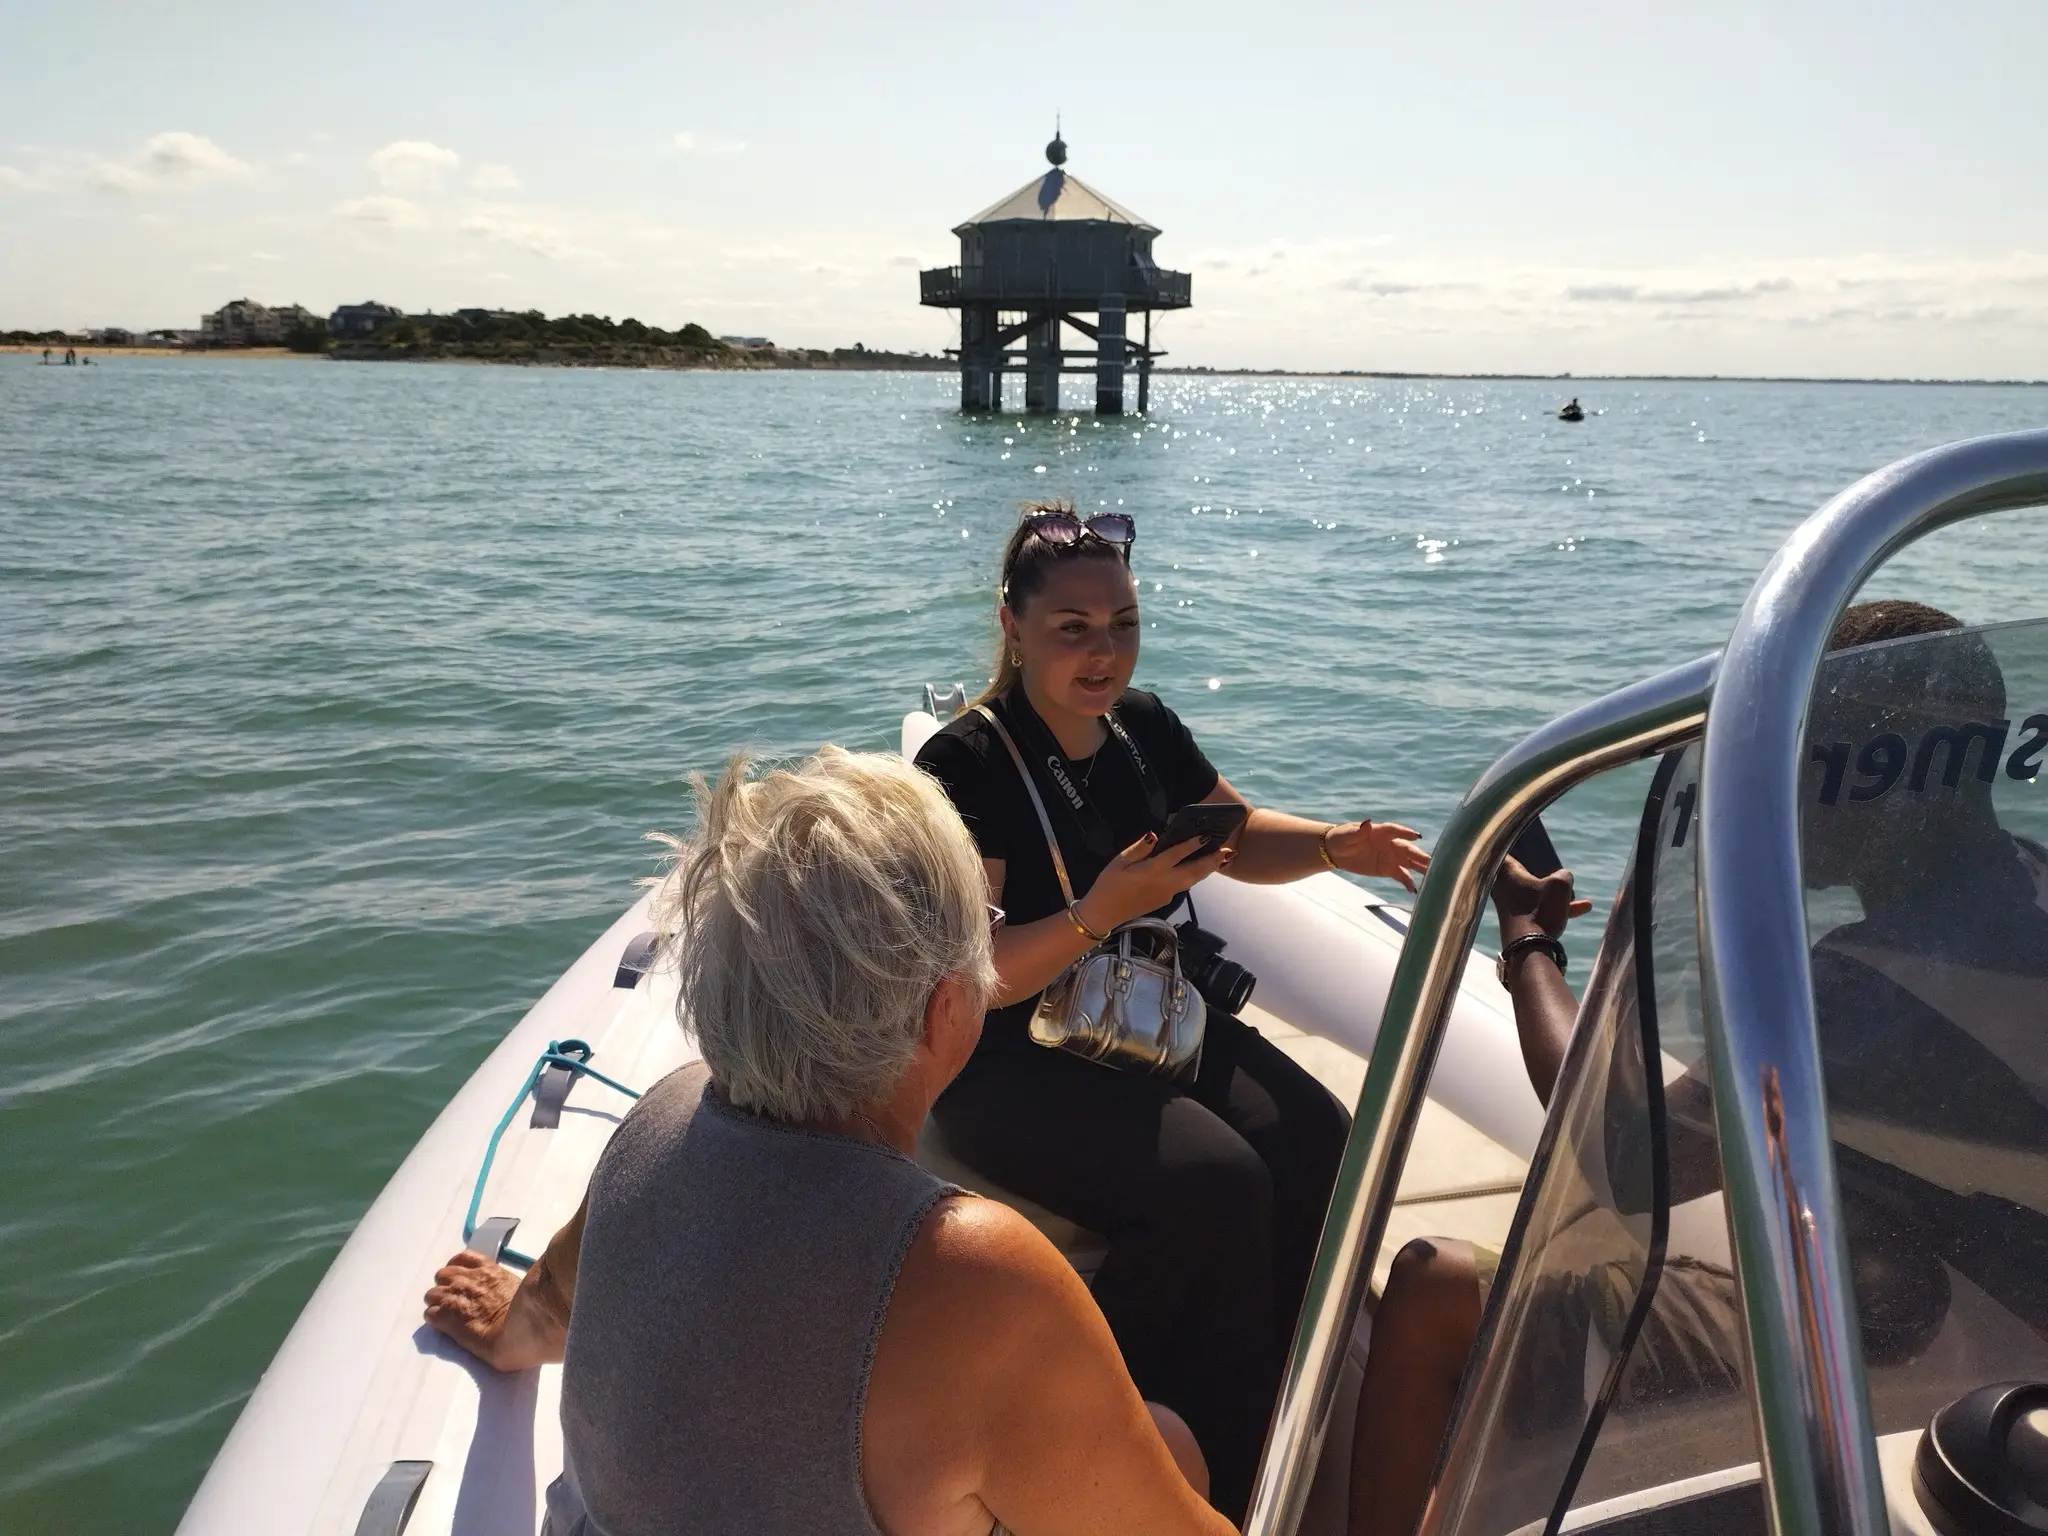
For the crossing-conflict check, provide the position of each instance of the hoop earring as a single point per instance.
(1016, 658)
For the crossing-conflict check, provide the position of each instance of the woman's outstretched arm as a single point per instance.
(1274, 847)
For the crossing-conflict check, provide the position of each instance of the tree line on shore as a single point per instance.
(529, 336)
(485, 332)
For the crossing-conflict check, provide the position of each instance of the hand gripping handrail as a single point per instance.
(1634, 723)
(1819, 1457)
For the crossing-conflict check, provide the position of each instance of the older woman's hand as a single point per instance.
(474, 1300)
(1383, 849)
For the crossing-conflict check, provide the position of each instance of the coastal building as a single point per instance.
(748, 343)
(245, 323)
(239, 323)
(362, 319)
(1031, 267)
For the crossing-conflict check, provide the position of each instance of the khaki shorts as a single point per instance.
(1691, 1341)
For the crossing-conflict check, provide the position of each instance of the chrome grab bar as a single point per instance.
(1636, 722)
(1819, 1457)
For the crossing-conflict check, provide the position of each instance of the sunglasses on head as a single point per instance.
(1115, 529)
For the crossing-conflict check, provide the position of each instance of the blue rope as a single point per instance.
(575, 1056)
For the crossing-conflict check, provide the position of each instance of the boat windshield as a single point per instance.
(1612, 1361)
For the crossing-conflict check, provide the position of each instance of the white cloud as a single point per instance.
(691, 142)
(265, 256)
(1339, 304)
(530, 230)
(1636, 293)
(13, 180)
(394, 211)
(413, 164)
(494, 178)
(169, 161)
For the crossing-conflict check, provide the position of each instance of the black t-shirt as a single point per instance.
(971, 763)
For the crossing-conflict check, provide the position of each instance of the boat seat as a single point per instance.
(1083, 1249)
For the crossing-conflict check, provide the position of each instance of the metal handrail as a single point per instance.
(1634, 723)
(1819, 1456)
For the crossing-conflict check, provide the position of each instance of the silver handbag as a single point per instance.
(1125, 1002)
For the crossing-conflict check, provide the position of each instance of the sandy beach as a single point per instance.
(100, 354)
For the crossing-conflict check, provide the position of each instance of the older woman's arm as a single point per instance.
(998, 1393)
(509, 1323)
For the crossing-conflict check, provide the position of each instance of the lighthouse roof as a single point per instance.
(1056, 196)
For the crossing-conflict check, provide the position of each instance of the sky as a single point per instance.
(1844, 188)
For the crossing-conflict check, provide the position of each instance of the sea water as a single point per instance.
(335, 700)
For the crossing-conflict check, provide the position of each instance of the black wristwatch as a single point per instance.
(1537, 940)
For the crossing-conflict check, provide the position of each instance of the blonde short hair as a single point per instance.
(812, 916)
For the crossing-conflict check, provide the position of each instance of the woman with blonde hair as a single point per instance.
(774, 1319)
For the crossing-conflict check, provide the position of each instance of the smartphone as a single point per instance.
(1535, 851)
(1215, 824)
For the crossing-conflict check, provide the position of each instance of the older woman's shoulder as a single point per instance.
(974, 1266)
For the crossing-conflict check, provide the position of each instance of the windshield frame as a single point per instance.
(1807, 1379)
(1630, 725)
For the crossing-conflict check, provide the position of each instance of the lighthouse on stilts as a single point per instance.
(1035, 266)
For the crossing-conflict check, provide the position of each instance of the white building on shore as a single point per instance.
(245, 323)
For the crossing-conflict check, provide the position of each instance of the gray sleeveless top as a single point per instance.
(732, 1286)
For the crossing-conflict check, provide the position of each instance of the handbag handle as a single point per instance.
(1052, 843)
(1158, 925)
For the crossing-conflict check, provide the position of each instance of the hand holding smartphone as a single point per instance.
(1214, 823)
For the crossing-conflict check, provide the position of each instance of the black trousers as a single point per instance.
(1212, 1197)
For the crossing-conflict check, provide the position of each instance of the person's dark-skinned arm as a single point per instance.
(1545, 1008)
(510, 1323)
(1545, 1011)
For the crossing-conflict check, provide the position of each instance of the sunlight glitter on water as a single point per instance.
(319, 763)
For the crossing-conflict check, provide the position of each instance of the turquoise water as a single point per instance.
(335, 699)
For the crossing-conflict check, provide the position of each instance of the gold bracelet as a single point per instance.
(1074, 917)
(1323, 847)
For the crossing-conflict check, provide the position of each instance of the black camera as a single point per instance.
(1224, 984)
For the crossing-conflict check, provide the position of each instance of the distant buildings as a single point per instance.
(245, 323)
(362, 319)
(748, 343)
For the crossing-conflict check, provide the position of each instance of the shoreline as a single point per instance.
(99, 353)
(1585, 378)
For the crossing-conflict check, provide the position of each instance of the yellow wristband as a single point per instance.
(1323, 847)
(1074, 917)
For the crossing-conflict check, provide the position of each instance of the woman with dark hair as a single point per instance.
(1211, 1191)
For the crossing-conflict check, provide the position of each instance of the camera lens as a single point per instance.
(1228, 985)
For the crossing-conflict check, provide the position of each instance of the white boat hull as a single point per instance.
(361, 1383)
